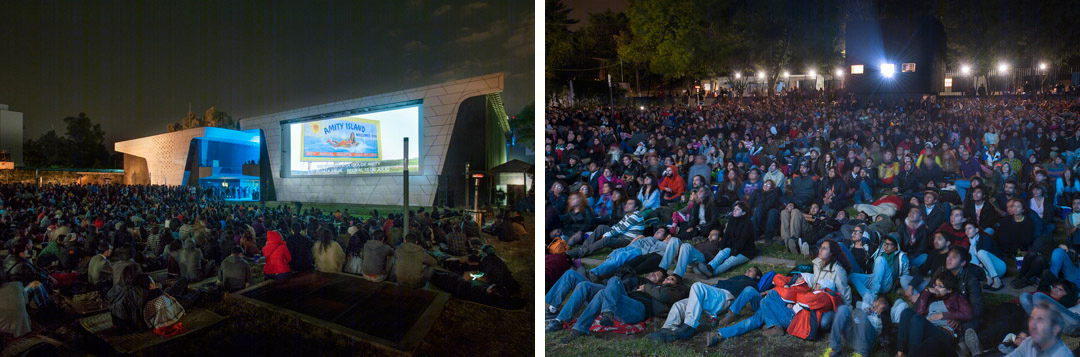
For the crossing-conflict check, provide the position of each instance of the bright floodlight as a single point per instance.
(786, 74)
(1002, 67)
(738, 75)
(812, 73)
(839, 73)
(965, 69)
(1042, 66)
(642, 107)
(888, 70)
(761, 75)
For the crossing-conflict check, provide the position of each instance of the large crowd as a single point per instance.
(908, 212)
(71, 247)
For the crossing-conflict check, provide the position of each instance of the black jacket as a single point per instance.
(739, 236)
(22, 270)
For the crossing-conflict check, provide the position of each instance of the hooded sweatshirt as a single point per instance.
(674, 182)
(276, 253)
(190, 260)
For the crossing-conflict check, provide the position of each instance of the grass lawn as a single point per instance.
(750, 344)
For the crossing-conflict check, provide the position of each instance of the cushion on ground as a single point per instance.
(101, 325)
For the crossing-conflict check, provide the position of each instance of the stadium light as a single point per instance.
(786, 74)
(1042, 66)
(761, 75)
(1002, 67)
(888, 70)
(839, 73)
(965, 69)
(738, 75)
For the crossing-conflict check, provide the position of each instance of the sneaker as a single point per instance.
(606, 319)
(792, 246)
(712, 339)
(703, 269)
(574, 334)
(550, 312)
(664, 335)
(553, 325)
(805, 249)
(683, 332)
(971, 340)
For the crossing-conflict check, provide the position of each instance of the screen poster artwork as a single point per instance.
(341, 139)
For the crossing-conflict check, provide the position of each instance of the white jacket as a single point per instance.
(836, 273)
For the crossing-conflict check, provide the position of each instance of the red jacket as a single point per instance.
(675, 183)
(276, 253)
(958, 306)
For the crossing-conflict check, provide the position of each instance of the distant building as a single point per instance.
(11, 134)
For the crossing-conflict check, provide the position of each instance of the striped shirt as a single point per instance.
(629, 227)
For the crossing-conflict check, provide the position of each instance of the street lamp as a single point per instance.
(1042, 66)
(1002, 67)
(761, 75)
(786, 74)
(812, 74)
(965, 69)
(738, 75)
(888, 70)
(839, 73)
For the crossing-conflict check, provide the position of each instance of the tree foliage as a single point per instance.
(82, 146)
(212, 118)
(662, 36)
(558, 40)
(522, 125)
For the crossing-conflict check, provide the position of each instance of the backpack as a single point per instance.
(558, 246)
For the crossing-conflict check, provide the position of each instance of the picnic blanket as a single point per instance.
(101, 325)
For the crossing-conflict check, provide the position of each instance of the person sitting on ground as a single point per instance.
(987, 255)
(413, 265)
(470, 227)
(683, 318)
(299, 245)
(775, 313)
(737, 245)
(614, 302)
(765, 204)
(860, 326)
(1061, 298)
(954, 228)
(36, 282)
(99, 271)
(1045, 326)
(703, 215)
(913, 236)
(234, 274)
(191, 262)
(329, 257)
(981, 211)
(277, 257)
(926, 329)
(127, 300)
(619, 235)
(641, 245)
(688, 253)
(672, 186)
(889, 264)
(919, 276)
(378, 260)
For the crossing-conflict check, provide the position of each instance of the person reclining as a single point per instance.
(683, 318)
(615, 303)
(641, 245)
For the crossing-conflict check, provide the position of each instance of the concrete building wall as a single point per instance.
(165, 156)
(11, 134)
(440, 108)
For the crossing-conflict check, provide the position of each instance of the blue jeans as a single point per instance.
(687, 255)
(917, 283)
(772, 312)
(583, 292)
(1070, 319)
(864, 194)
(616, 259)
(993, 265)
(749, 295)
(855, 268)
(855, 327)
(1042, 226)
(723, 261)
(1060, 264)
(562, 287)
(670, 253)
(705, 297)
(612, 299)
(918, 260)
(880, 281)
(769, 217)
(962, 187)
(38, 295)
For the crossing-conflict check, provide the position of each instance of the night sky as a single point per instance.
(136, 68)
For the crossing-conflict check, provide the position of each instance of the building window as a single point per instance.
(907, 67)
(948, 82)
(856, 69)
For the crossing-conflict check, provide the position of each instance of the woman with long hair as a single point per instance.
(649, 195)
(1067, 187)
(329, 257)
(579, 216)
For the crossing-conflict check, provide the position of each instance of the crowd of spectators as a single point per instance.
(65, 244)
(908, 210)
